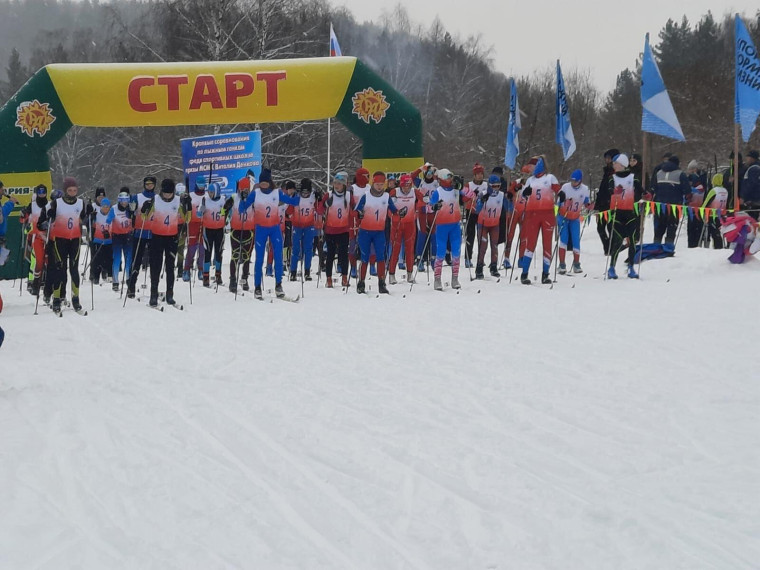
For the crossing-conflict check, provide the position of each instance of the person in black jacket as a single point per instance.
(602, 202)
(728, 178)
(671, 185)
(749, 190)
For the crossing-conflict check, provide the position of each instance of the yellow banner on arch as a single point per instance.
(202, 93)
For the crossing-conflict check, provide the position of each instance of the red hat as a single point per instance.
(478, 168)
(68, 182)
(362, 176)
(405, 179)
(244, 184)
(378, 177)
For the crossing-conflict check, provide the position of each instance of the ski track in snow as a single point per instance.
(594, 425)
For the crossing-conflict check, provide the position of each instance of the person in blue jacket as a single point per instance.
(5, 211)
(445, 201)
(266, 201)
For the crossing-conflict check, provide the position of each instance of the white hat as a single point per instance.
(180, 188)
(444, 174)
(622, 160)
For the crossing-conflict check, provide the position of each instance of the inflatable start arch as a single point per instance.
(59, 96)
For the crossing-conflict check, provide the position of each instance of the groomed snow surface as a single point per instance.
(595, 425)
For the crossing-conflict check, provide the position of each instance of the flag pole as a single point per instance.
(736, 167)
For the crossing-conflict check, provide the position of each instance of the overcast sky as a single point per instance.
(603, 36)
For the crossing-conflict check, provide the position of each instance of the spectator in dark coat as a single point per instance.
(670, 187)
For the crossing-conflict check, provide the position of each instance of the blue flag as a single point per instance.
(658, 115)
(747, 90)
(513, 130)
(565, 137)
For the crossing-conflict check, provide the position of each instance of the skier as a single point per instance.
(211, 211)
(695, 200)
(168, 214)
(337, 226)
(717, 198)
(195, 232)
(102, 258)
(490, 204)
(404, 230)
(30, 215)
(266, 201)
(142, 234)
(425, 214)
(372, 211)
(540, 190)
(303, 218)
(121, 221)
(445, 202)
(574, 196)
(241, 237)
(471, 192)
(289, 187)
(602, 202)
(181, 190)
(625, 190)
(358, 189)
(66, 216)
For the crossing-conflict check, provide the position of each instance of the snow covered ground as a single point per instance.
(595, 425)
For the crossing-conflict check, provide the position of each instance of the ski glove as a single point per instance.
(561, 196)
(106, 234)
(360, 214)
(402, 212)
(133, 206)
(437, 206)
(147, 205)
(527, 192)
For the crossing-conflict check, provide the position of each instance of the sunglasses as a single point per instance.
(496, 185)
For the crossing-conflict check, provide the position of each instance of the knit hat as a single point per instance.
(266, 175)
(636, 156)
(68, 182)
(444, 174)
(693, 165)
(612, 153)
(105, 202)
(123, 196)
(622, 160)
(341, 177)
(754, 154)
(40, 190)
(378, 177)
(717, 179)
(362, 176)
(497, 170)
(180, 188)
(290, 185)
(100, 191)
(405, 179)
(675, 160)
(494, 179)
(149, 179)
(167, 186)
(478, 168)
(306, 184)
(244, 183)
(577, 175)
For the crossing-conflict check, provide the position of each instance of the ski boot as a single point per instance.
(467, 264)
(153, 299)
(186, 275)
(95, 280)
(130, 292)
(328, 283)
(257, 293)
(75, 304)
(632, 273)
(206, 280)
(381, 287)
(506, 264)
(611, 273)
(577, 267)
(437, 285)
(373, 270)
(421, 267)
(455, 282)
(244, 283)
(200, 275)
(353, 273)
(293, 276)
(545, 279)
(278, 291)
(479, 271)
(115, 287)
(343, 281)
(170, 297)
(494, 271)
(409, 277)
(233, 284)
(57, 305)
(524, 279)
(34, 289)
(562, 269)
(218, 278)
(46, 299)
(307, 275)
(392, 279)
(270, 271)
(360, 287)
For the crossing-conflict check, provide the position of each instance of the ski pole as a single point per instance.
(427, 241)
(132, 269)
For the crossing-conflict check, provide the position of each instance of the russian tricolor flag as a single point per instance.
(334, 45)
